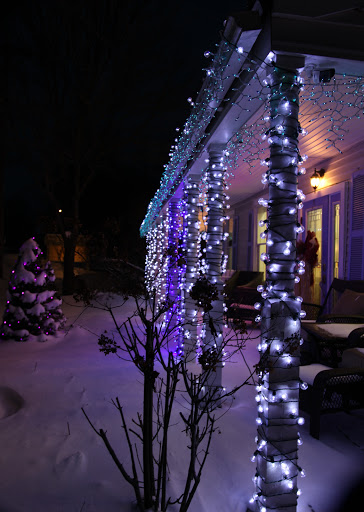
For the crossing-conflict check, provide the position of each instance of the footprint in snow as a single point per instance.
(74, 463)
(10, 402)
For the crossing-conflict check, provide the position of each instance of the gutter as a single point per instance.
(245, 28)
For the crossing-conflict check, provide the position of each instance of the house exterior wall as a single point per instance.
(337, 182)
(246, 212)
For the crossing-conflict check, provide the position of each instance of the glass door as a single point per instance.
(336, 240)
(262, 246)
(314, 224)
(316, 220)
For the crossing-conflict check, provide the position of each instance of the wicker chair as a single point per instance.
(353, 355)
(241, 292)
(331, 309)
(343, 304)
(330, 388)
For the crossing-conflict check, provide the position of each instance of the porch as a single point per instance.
(264, 115)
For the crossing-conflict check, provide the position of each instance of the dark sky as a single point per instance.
(158, 64)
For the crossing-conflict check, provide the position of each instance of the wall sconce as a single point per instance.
(316, 177)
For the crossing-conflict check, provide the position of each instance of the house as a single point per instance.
(282, 102)
(55, 248)
(229, 111)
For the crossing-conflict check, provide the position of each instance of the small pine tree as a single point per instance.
(51, 302)
(33, 306)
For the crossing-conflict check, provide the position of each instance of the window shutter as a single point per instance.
(357, 228)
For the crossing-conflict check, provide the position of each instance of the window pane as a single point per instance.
(336, 239)
(314, 223)
(262, 215)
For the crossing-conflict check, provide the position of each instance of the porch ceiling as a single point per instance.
(316, 37)
(325, 140)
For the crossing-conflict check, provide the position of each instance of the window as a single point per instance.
(336, 239)
(314, 223)
(262, 246)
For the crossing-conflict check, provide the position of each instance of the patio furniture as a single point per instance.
(335, 339)
(330, 390)
(325, 343)
(344, 299)
(354, 355)
(241, 295)
(341, 312)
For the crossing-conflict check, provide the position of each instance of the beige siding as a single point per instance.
(338, 169)
(242, 210)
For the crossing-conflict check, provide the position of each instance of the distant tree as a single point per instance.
(64, 101)
(81, 103)
(32, 305)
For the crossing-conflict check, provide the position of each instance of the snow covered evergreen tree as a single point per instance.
(33, 306)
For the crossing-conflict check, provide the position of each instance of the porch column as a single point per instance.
(161, 259)
(150, 259)
(173, 273)
(278, 390)
(154, 267)
(214, 254)
(192, 228)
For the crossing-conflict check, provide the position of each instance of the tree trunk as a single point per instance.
(148, 465)
(68, 265)
(2, 233)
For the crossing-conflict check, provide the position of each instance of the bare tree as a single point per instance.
(169, 388)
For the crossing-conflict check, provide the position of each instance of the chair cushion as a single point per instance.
(350, 303)
(309, 372)
(353, 358)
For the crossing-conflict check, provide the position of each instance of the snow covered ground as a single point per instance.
(51, 460)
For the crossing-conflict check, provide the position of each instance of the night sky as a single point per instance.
(154, 63)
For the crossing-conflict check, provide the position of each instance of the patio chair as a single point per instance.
(344, 307)
(344, 299)
(336, 331)
(330, 390)
(353, 356)
(241, 295)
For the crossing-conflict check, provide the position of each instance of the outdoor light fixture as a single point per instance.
(316, 177)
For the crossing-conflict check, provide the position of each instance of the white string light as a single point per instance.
(278, 390)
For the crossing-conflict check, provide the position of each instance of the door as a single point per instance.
(316, 219)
